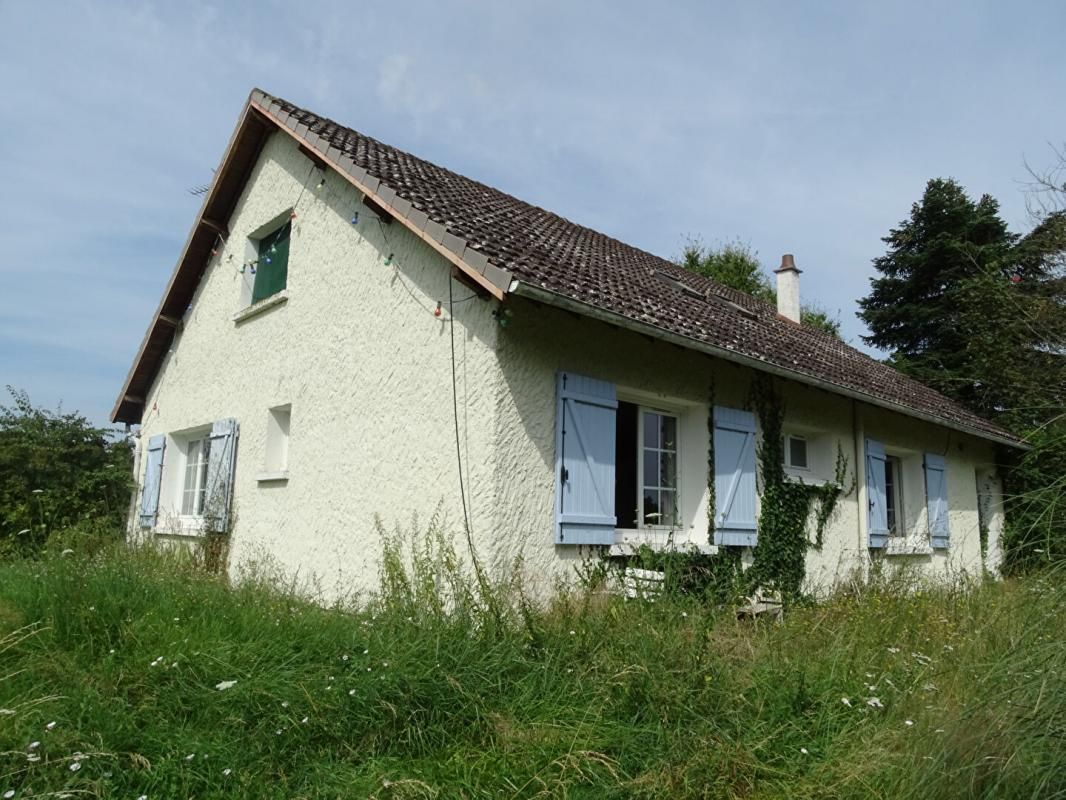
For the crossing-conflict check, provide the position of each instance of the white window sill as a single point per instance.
(908, 548)
(807, 479)
(265, 304)
(660, 540)
(278, 476)
(185, 526)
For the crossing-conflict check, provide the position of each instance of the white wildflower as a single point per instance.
(67, 552)
(893, 649)
(284, 703)
(804, 751)
(190, 757)
(874, 702)
(845, 701)
(684, 615)
(33, 758)
(223, 685)
(344, 658)
(75, 766)
(366, 652)
(112, 651)
(939, 730)
(304, 720)
(384, 663)
(227, 772)
(351, 692)
(142, 797)
(278, 732)
(33, 745)
(908, 722)
(9, 794)
(50, 725)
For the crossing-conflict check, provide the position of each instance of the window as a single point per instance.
(194, 486)
(658, 474)
(894, 495)
(272, 263)
(190, 490)
(796, 452)
(276, 462)
(646, 477)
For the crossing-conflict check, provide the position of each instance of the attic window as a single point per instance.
(672, 280)
(272, 263)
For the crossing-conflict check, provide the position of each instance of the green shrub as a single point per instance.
(57, 473)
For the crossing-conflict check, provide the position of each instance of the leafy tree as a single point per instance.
(979, 313)
(734, 264)
(57, 472)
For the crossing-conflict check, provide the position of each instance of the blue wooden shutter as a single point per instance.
(936, 498)
(876, 498)
(734, 477)
(221, 463)
(584, 460)
(153, 475)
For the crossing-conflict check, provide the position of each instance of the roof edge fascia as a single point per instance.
(179, 267)
(548, 297)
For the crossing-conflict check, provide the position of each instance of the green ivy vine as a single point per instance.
(780, 557)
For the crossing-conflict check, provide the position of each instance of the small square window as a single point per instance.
(272, 263)
(796, 452)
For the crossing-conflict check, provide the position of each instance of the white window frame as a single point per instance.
(788, 452)
(202, 443)
(642, 523)
(276, 450)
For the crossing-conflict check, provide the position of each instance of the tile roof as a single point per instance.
(510, 240)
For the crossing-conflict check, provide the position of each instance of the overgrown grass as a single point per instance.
(115, 663)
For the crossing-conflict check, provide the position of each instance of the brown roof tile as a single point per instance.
(546, 251)
(554, 254)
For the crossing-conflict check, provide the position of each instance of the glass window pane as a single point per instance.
(668, 507)
(651, 507)
(668, 470)
(669, 433)
(651, 468)
(797, 451)
(651, 429)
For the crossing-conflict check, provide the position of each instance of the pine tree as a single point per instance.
(979, 313)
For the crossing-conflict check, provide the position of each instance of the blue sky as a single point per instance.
(807, 128)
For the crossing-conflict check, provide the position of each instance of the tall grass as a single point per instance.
(119, 664)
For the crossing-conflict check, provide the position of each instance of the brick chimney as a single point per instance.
(788, 288)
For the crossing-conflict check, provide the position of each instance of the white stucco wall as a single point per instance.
(366, 366)
(540, 341)
(358, 352)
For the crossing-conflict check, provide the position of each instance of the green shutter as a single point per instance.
(272, 269)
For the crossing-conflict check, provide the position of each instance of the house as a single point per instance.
(354, 333)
